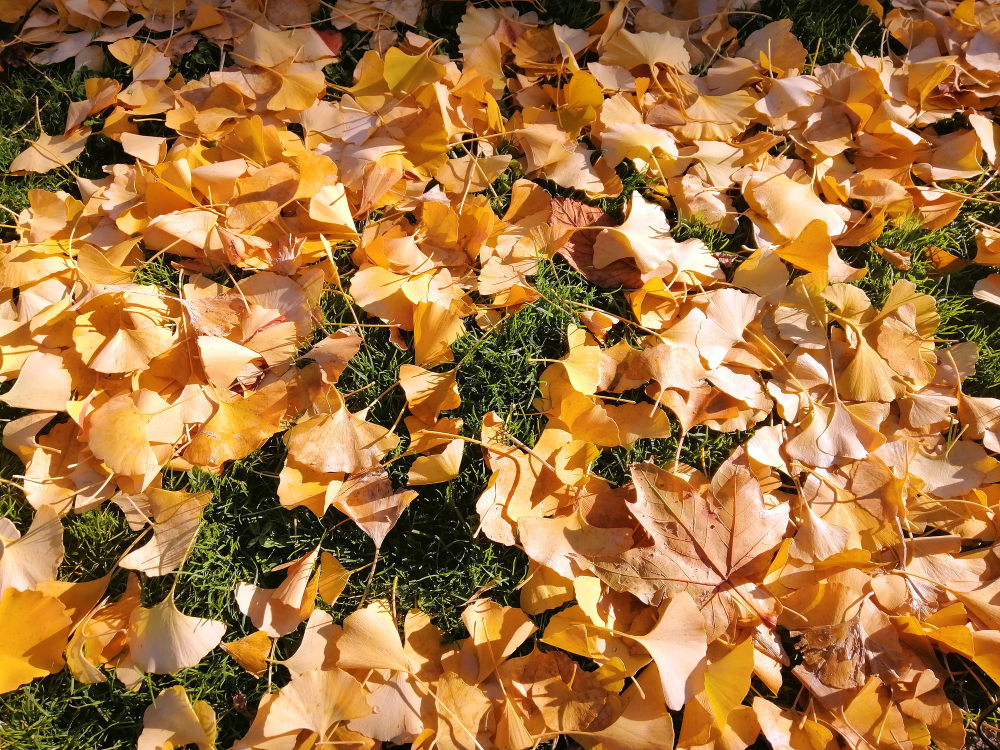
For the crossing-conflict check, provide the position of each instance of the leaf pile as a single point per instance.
(843, 548)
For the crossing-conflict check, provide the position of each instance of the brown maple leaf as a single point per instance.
(705, 544)
(13, 54)
(333, 39)
(842, 655)
(215, 316)
(579, 248)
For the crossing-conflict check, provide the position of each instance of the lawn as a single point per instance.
(433, 559)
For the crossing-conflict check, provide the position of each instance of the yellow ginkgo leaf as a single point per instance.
(405, 73)
(50, 151)
(317, 700)
(239, 426)
(174, 721)
(727, 680)
(163, 640)
(333, 578)
(250, 652)
(34, 629)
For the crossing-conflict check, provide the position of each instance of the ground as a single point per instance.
(432, 559)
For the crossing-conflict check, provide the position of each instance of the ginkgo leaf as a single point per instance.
(645, 238)
(469, 175)
(333, 578)
(630, 50)
(250, 652)
(333, 353)
(813, 251)
(162, 640)
(100, 635)
(269, 48)
(404, 73)
(644, 723)
(397, 703)
(435, 329)
(26, 561)
(678, 645)
(176, 518)
(317, 700)
(790, 205)
(643, 144)
(988, 289)
(371, 640)
(300, 485)
(437, 467)
(44, 384)
(339, 442)
(13, 11)
(146, 148)
(727, 681)
(122, 431)
(582, 363)
(561, 698)
(495, 632)
(35, 629)
(774, 45)
(223, 359)
(465, 718)
(173, 720)
(428, 393)
(297, 91)
(868, 377)
(239, 426)
(80, 598)
(372, 504)
(318, 648)
(280, 610)
(787, 728)
(50, 152)
(728, 314)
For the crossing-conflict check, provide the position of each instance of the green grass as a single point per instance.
(432, 559)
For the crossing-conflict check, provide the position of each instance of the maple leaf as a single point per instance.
(843, 655)
(708, 544)
(579, 248)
